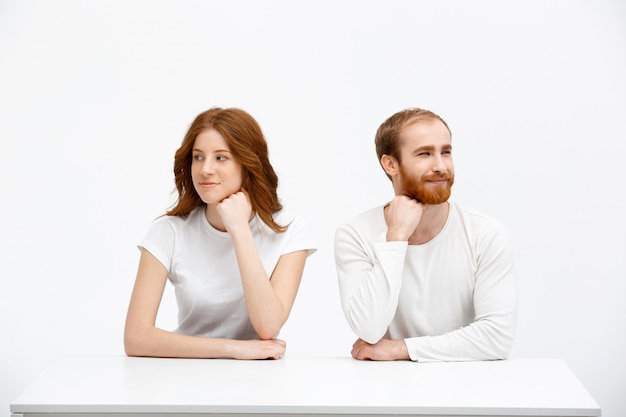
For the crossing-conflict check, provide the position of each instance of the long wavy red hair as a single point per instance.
(247, 143)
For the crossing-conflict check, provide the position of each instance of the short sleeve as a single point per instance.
(160, 241)
(299, 237)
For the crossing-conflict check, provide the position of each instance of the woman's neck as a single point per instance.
(213, 217)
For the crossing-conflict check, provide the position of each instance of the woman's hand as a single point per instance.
(259, 349)
(235, 211)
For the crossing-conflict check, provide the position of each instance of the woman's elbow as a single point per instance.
(130, 347)
(267, 332)
(266, 328)
(134, 343)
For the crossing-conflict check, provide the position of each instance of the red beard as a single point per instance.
(417, 189)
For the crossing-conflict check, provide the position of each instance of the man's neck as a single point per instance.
(432, 222)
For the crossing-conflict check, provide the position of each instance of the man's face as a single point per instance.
(426, 172)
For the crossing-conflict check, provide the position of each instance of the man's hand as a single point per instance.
(402, 215)
(235, 211)
(384, 350)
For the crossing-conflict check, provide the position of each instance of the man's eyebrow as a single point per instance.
(424, 148)
(432, 148)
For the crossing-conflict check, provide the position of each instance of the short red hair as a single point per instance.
(388, 136)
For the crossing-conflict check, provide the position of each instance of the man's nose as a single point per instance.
(439, 164)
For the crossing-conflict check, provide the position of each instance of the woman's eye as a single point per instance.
(197, 157)
(221, 158)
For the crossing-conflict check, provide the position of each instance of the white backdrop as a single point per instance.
(95, 97)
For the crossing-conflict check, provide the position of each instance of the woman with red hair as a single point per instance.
(234, 256)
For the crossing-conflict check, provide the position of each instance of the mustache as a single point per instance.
(436, 177)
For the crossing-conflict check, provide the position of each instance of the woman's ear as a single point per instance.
(389, 164)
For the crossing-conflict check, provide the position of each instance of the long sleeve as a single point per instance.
(370, 278)
(490, 333)
(450, 299)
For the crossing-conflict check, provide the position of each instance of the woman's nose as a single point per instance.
(207, 168)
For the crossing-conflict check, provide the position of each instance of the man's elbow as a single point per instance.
(371, 339)
(506, 348)
(368, 333)
(502, 346)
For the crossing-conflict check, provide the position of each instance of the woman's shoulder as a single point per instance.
(293, 225)
(285, 217)
(178, 222)
(293, 221)
(282, 218)
(297, 235)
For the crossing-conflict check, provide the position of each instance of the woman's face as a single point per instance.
(214, 171)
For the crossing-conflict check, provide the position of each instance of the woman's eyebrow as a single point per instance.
(215, 150)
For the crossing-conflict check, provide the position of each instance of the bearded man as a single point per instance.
(422, 278)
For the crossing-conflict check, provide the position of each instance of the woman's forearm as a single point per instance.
(265, 308)
(155, 342)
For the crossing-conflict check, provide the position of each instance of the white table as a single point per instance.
(339, 386)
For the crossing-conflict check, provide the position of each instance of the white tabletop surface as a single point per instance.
(292, 385)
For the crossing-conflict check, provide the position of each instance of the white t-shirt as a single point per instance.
(451, 299)
(203, 268)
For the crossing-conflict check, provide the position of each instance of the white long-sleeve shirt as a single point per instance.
(450, 299)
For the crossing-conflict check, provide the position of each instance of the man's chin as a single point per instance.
(433, 199)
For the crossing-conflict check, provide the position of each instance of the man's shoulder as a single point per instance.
(365, 223)
(474, 217)
(367, 217)
(467, 211)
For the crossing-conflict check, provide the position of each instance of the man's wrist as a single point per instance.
(402, 352)
(396, 237)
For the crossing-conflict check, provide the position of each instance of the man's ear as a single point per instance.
(389, 164)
